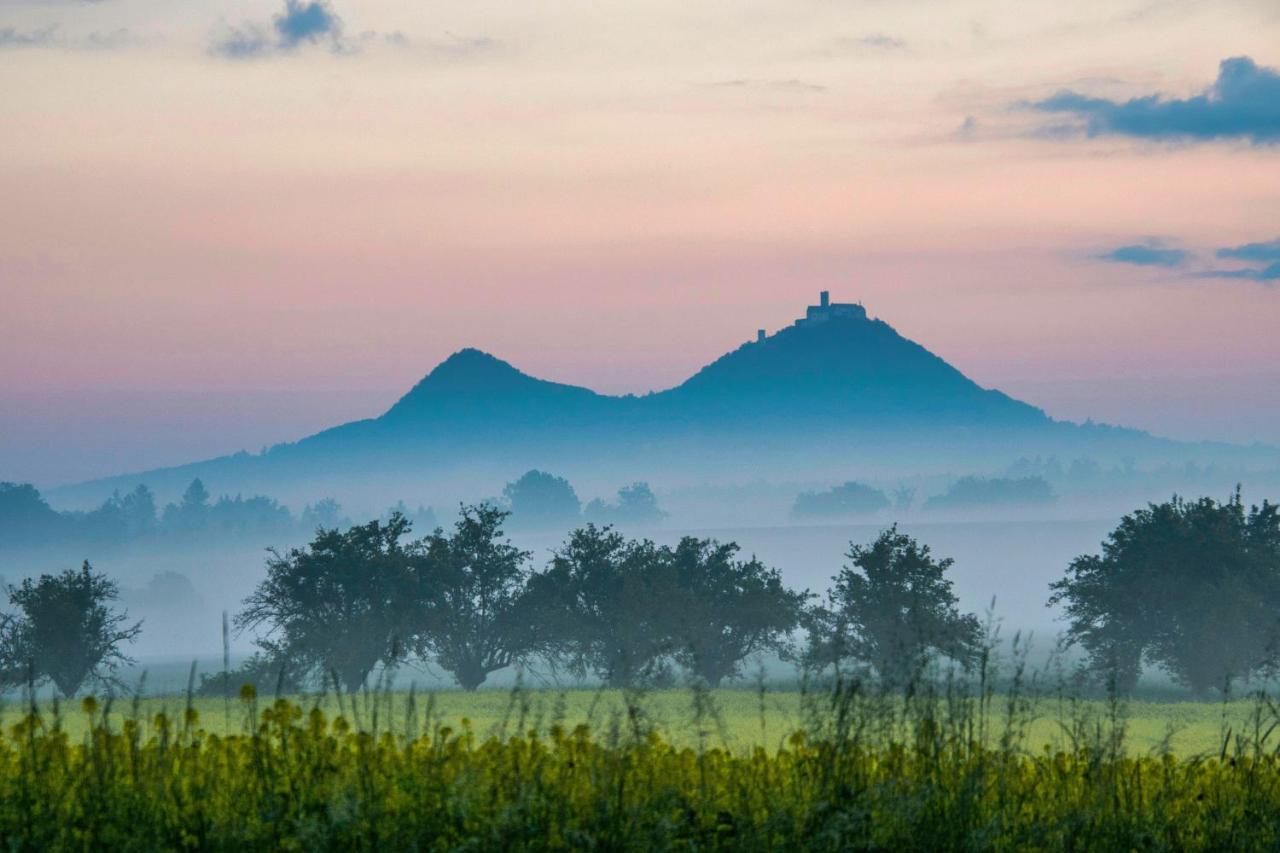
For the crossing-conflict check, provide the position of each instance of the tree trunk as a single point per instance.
(470, 675)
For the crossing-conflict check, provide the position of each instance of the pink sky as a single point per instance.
(610, 196)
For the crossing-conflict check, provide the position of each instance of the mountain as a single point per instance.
(844, 369)
(833, 393)
(474, 389)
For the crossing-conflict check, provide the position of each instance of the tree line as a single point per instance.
(536, 499)
(1190, 587)
(625, 611)
(27, 519)
(853, 499)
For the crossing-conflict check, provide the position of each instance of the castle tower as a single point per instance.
(827, 310)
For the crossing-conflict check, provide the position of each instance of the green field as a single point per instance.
(734, 719)
(664, 770)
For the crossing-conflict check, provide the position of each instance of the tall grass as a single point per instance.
(939, 765)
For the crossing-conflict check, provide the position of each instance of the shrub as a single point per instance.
(972, 492)
(846, 500)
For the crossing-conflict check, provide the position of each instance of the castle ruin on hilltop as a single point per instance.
(824, 311)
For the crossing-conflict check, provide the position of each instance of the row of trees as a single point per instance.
(626, 611)
(26, 519)
(1191, 587)
(537, 500)
(853, 499)
(1188, 587)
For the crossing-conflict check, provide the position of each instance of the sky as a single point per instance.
(230, 224)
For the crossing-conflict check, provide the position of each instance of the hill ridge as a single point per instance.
(834, 385)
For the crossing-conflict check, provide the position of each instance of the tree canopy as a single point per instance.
(1189, 586)
(636, 505)
(723, 609)
(602, 601)
(64, 630)
(892, 607)
(542, 500)
(338, 606)
(473, 611)
(845, 500)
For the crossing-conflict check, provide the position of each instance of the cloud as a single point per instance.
(1269, 251)
(789, 85)
(1261, 260)
(882, 41)
(1266, 274)
(1243, 103)
(114, 39)
(864, 45)
(1150, 253)
(874, 41)
(1264, 259)
(449, 46)
(43, 37)
(301, 23)
(52, 37)
(245, 42)
(306, 22)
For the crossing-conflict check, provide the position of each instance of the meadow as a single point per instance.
(936, 768)
(734, 719)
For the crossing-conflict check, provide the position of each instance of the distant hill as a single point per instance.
(473, 387)
(833, 391)
(845, 369)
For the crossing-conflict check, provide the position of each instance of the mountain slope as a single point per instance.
(473, 387)
(849, 369)
(835, 386)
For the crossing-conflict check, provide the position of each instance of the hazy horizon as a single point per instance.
(48, 443)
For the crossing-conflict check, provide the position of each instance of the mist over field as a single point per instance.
(796, 446)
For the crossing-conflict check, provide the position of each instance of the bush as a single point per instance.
(972, 492)
(264, 675)
(846, 500)
(636, 505)
(542, 501)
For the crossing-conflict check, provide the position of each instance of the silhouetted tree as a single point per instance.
(138, 509)
(968, 492)
(240, 516)
(723, 610)
(25, 518)
(604, 602)
(196, 497)
(325, 513)
(119, 518)
(423, 518)
(473, 612)
(542, 500)
(636, 504)
(63, 629)
(1193, 587)
(165, 590)
(848, 499)
(191, 514)
(891, 607)
(339, 605)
